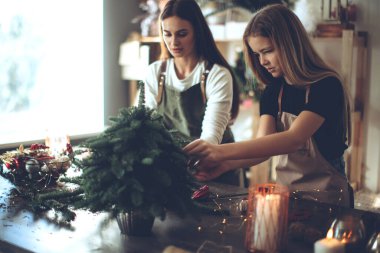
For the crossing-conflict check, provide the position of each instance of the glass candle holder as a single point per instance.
(267, 218)
(350, 230)
(373, 245)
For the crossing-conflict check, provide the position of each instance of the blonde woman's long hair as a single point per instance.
(298, 59)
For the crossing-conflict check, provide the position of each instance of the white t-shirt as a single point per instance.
(218, 93)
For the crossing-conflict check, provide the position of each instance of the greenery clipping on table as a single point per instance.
(33, 173)
(136, 165)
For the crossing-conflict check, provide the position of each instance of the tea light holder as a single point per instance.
(57, 142)
(267, 218)
(350, 230)
(373, 245)
(329, 244)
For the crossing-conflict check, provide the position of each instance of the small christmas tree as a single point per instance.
(136, 164)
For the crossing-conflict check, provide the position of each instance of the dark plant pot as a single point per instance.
(135, 223)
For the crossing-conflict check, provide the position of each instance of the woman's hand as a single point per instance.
(205, 173)
(206, 152)
(209, 164)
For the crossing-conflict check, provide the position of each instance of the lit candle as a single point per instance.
(267, 218)
(56, 142)
(328, 245)
(266, 221)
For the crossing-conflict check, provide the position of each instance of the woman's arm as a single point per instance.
(207, 171)
(219, 101)
(285, 142)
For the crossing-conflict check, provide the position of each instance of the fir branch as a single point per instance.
(73, 180)
(141, 86)
(59, 194)
(136, 164)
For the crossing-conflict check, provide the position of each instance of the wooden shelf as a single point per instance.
(157, 39)
(150, 39)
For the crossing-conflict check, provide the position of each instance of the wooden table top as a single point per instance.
(22, 231)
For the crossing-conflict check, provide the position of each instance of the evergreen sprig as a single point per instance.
(49, 199)
(136, 164)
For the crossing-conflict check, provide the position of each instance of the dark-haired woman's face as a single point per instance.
(179, 37)
(266, 54)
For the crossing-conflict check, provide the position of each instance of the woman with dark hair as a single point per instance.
(192, 85)
(304, 113)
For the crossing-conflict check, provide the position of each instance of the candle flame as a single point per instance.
(346, 237)
(330, 234)
(57, 143)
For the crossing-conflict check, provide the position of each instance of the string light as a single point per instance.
(232, 218)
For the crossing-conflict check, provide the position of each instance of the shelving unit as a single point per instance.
(348, 55)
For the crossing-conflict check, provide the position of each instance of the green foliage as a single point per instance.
(50, 199)
(136, 164)
(248, 85)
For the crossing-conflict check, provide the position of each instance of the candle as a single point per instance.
(266, 222)
(56, 141)
(328, 244)
(267, 218)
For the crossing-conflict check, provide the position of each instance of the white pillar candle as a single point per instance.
(266, 222)
(328, 245)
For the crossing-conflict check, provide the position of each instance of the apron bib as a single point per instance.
(306, 173)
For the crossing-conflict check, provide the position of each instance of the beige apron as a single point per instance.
(306, 172)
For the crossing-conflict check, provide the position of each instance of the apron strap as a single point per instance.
(279, 99)
(307, 94)
(203, 81)
(161, 82)
(162, 78)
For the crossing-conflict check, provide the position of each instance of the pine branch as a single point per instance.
(141, 86)
(59, 194)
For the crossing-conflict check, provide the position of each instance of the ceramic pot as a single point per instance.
(134, 223)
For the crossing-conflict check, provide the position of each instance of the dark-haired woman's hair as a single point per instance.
(205, 45)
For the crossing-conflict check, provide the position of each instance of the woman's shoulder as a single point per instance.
(156, 65)
(152, 72)
(218, 70)
(329, 83)
(330, 79)
(216, 67)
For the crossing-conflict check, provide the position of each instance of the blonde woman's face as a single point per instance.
(178, 35)
(267, 54)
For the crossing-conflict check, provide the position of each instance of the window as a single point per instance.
(51, 68)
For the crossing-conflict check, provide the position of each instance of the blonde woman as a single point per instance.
(303, 113)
